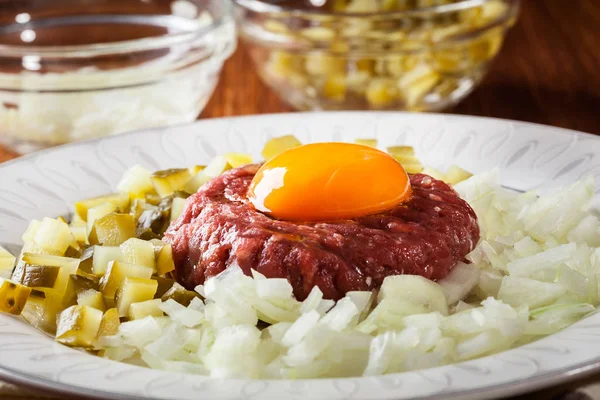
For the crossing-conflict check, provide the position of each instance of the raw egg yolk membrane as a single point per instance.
(329, 181)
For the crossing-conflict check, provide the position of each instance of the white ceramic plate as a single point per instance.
(530, 156)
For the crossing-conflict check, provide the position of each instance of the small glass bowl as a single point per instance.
(418, 55)
(79, 69)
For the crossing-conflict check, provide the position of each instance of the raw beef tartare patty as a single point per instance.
(427, 235)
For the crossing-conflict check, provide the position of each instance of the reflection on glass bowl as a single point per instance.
(74, 69)
(415, 55)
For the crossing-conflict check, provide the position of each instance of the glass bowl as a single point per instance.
(417, 55)
(72, 70)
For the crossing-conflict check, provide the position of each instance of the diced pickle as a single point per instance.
(139, 252)
(82, 283)
(164, 261)
(434, 173)
(492, 10)
(78, 228)
(86, 260)
(318, 33)
(7, 260)
(113, 229)
(452, 60)
(238, 159)
(54, 236)
(152, 223)
(120, 200)
(80, 233)
(417, 83)
(405, 156)
(216, 167)
(164, 284)
(145, 308)
(39, 276)
(456, 174)
(89, 276)
(53, 306)
(110, 323)
(134, 290)
(78, 326)
(73, 253)
(278, 145)
(33, 312)
(487, 46)
(137, 208)
(157, 244)
(335, 87)
(91, 298)
(408, 159)
(116, 274)
(179, 294)
(168, 181)
(357, 82)
(177, 208)
(109, 301)
(68, 267)
(276, 26)
(401, 151)
(136, 181)
(13, 297)
(381, 92)
(281, 64)
(323, 64)
(97, 212)
(103, 255)
(152, 199)
(367, 142)
(195, 169)
(32, 228)
(181, 194)
(413, 168)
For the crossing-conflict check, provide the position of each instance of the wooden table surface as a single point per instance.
(548, 72)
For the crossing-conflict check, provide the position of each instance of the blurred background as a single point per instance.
(73, 70)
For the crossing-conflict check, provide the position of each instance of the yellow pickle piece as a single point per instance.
(179, 294)
(164, 262)
(278, 145)
(109, 325)
(367, 142)
(66, 267)
(139, 252)
(166, 182)
(112, 229)
(456, 174)
(7, 260)
(91, 298)
(134, 290)
(116, 274)
(13, 296)
(78, 326)
(238, 159)
(120, 200)
(145, 308)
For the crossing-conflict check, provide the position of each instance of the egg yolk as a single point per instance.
(328, 181)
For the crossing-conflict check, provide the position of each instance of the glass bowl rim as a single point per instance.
(125, 46)
(260, 6)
